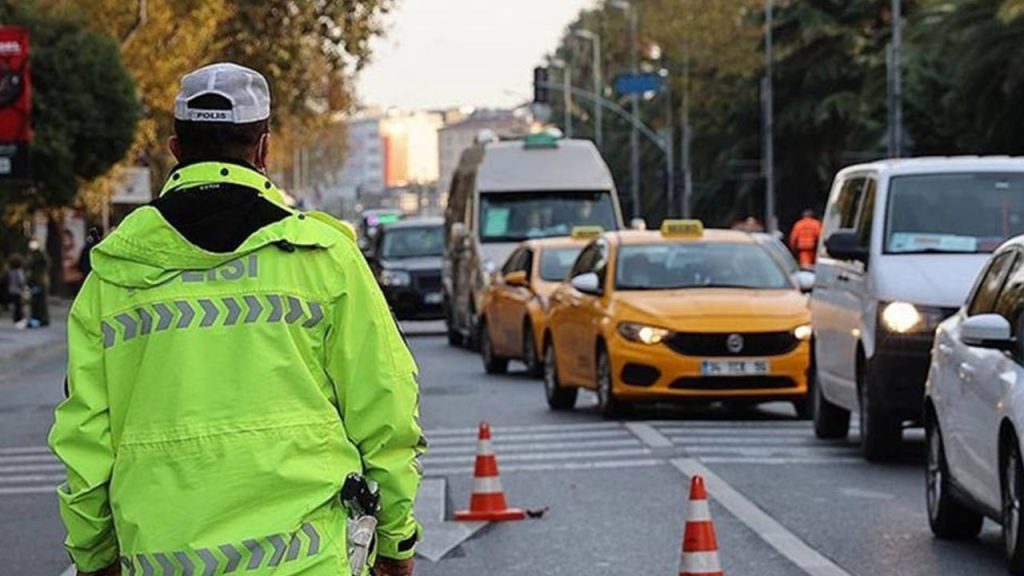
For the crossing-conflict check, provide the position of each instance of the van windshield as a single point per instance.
(518, 216)
(953, 213)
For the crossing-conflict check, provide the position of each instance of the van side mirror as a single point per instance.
(588, 283)
(846, 245)
(987, 331)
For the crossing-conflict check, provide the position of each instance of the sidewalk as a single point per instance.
(18, 346)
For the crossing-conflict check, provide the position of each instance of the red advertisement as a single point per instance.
(15, 103)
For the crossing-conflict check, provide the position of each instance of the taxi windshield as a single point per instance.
(556, 262)
(966, 213)
(412, 242)
(672, 266)
(518, 216)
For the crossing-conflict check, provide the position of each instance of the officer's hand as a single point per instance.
(112, 570)
(389, 567)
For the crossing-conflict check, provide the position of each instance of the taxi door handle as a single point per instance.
(843, 278)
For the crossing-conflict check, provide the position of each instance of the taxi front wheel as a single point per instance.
(492, 363)
(558, 398)
(607, 404)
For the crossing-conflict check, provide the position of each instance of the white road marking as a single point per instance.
(501, 448)
(69, 571)
(770, 530)
(780, 460)
(740, 432)
(649, 435)
(31, 468)
(766, 450)
(866, 494)
(26, 450)
(758, 439)
(30, 478)
(29, 490)
(25, 459)
(427, 461)
(608, 464)
(532, 428)
(511, 438)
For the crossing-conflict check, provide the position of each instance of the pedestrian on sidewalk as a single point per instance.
(38, 278)
(232, 365)
(15, 288)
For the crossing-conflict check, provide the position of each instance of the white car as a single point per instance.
(974, 409)
(902, 242)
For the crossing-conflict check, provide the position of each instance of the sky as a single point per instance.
(447, 53)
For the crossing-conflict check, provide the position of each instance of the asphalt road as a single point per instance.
(614, 492)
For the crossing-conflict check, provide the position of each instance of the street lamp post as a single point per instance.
(566, 93)
(595, 40)
(634, 136)
(687, 159)
(896, 82)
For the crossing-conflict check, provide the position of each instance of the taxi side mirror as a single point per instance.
(588, 283)
(517, 278)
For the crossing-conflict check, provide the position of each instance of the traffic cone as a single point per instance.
(488, 500)
(700, 548)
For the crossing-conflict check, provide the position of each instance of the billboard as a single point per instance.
(15, 104)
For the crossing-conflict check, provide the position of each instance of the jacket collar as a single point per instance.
(192, 175)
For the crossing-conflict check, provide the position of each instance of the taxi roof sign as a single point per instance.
(586, 232)
(540, 141)
(682, 228)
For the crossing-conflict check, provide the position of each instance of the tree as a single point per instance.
(84, 116)
(84, 106)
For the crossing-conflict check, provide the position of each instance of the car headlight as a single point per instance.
(642, 333)
(803, 332)
(907, 318)
(394, 278)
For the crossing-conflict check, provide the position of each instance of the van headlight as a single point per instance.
(803, 332)
(643, 333)
(395, 278)
(907, 318)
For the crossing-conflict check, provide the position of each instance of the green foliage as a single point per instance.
(84, 106)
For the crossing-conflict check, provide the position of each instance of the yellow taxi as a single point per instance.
(677, 314)
(515, 304)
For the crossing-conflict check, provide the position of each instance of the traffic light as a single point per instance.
(541, 94)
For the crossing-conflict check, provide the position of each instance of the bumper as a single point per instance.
(641, 372)
(900, 369)
(412, 304)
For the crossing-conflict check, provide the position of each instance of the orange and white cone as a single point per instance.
(700, 548)
(488, 500)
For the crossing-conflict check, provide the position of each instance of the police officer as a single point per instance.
(231, 363)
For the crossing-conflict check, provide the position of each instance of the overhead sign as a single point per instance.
(15, 103)
(638, 83)
(134, 187)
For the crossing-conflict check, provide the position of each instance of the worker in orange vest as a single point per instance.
(803, 239)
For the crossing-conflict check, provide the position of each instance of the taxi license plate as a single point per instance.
(735, 367)
(432, 298)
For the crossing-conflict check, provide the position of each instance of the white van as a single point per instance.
(507, 192)
(902, 243)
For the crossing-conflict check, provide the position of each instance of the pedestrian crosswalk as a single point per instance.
(760, 442)
(539, 448)
(550, 447)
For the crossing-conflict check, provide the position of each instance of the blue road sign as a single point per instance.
(638, 83)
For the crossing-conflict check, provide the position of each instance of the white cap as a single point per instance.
(244, 88)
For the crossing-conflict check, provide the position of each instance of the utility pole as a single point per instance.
(686, 159)
(566, 94)
(896, 82)
(595, 40)
(768, 98)
(634, 100)
(670, 136)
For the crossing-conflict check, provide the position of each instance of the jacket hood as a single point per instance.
(147, 250)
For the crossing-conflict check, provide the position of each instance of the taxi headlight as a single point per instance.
(642, 333)
(901, 317)
(803, 332)
(394, 278)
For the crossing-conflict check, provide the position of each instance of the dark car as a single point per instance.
(406, 259)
